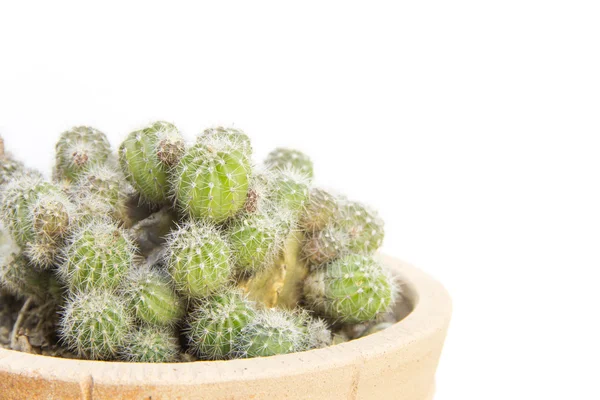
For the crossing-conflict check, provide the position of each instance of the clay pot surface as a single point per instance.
(397, 363)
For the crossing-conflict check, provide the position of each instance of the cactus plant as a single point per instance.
(235, 137)
(147, 155)
(255, 241)
(352, 289)
(78, 149)
(211, 181)
(272, 331)
(283, 158)
(95, 324)
(319, 210)
(151, 297)
(326, 245)
(198, 259)
(151, 344)
(170, 243)
(216, 324)
(98, 255)
(364, 227)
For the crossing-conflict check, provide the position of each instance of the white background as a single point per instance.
(472, 126)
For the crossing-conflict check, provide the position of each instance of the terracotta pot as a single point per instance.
(398, 363)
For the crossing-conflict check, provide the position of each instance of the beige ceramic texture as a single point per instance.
(398, 363)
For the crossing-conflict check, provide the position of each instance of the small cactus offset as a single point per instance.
(78, 149)
(352, 289)
(151, 297)
(98, 255)
(283, 158)
(95, 324)
(364, 227)
(255, 241)
(272, 332)
(147, 156)
(320, 209)
(198, 259)
(151, 344)
(211, 180)
(236, 137)
(173, 251)
(215, 326)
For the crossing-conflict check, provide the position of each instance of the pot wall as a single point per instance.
(398, 363)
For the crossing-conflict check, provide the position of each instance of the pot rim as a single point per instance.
(431, 313)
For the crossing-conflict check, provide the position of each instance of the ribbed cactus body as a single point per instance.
(216, 324)
(233, 137)
(198, 260)
(325, 245)
(78, 149)
(318, 334)
(151, 344)
(290, 190)
(255, 241)
(212, 182)
(104, 182)
(146, 157)
(272, 331)
(20, 278)
(95, 324)
(17, 198)
(352, 289)
(319, 210)
(9, 167)
(38, 214)
(151, 296)
(283, 158)
(98, 256)
(365, 228)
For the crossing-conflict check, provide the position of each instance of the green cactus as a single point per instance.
(150, 294)
(147, 155)
(352, 289)
(318, 334)
(319, 210)
(232, 136)
(255, 241)
(104, 182)
(98, 255)
(283, 158)
(151, 344)
(216, 324)
(271, 332)
(19, 277)
(95, 324)
(78, 149)
(325, 245)
(290, 190)
(38, 214)
(198, 259)
(365, 228)
(211, 181)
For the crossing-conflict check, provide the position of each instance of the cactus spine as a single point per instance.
(235, 137)
(211, 181)
(78, 149)
(352, 289)
(146, 157)
(198, 259)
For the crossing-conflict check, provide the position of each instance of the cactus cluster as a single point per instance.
(164, 248)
